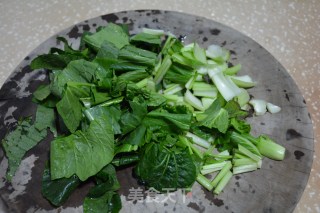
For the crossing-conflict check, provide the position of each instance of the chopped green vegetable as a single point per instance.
(174, 112)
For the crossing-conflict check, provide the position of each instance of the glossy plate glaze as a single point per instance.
(276, 187)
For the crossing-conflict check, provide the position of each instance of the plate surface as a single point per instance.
(276, 187)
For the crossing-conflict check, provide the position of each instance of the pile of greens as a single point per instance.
(175, 112)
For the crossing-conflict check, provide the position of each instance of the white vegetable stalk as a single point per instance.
(187, 48)
(193, 100)
(197, 140)
(273, 108)
(223, 83)
(174, 98)
(217, 52)
(199, 54)
(202, 70)
(153, 31)
(243, 98)
(172, 89)
(259, 106)
(244, 81)
(206, 102)
(191, 81)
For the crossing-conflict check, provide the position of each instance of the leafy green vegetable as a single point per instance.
(216, 117)
(69, 109)
(42, 92)
(45, 118)
(19, 141)
(111, 33)
(109, 202)
(173, 111)
(102, 196)
(52, 61)
(58, 191)
(96, 144)
(162, 168)
(27, 135)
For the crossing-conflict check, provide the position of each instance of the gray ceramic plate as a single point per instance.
(276, 187)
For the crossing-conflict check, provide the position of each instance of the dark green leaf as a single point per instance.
(45, 118)
(42, 92)
(113, 113)
(69, 109)
(69, 50)
(96, 144)
(178, 74)
(130, 120)
(108, 175)
(19, 141)
(109, 202)
(79, 71)
(52, 61)
(137, 136)
(108, 50)
(112, 33)
(161, 168)
(58, 191)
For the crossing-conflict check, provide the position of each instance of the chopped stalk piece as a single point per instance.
(162, 69)
(238, 155)
(270, 149)
(153, 31)
(214, 165)
(259, 106)
(142, 83)
(196, 151)
(226, 168)
(193, 101)
(244, 81)
(197, 140)
(217, 53)
(188, 47)
(244, 168)
(208, 94)
(202, 70)
(173, 89)
(206, 102)
(243, 98)
(242, 161)
(203, 181)
(174, 98)
(222, 184)
(199, 78)
(223, 83)
(246, 152)
(273, 108)
(191, 81)
(202, 86)
(199, 53)
(151, 85)
(232, 70)
(245, 107)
